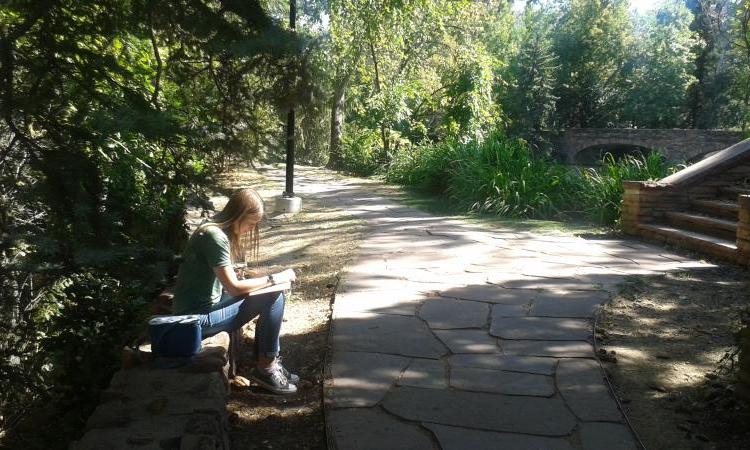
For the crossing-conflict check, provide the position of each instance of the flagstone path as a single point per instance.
(447, 335)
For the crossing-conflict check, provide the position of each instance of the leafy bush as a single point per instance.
(359, 150)
(427, 168)
(66, 351)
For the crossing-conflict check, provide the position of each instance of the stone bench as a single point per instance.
(146, 408)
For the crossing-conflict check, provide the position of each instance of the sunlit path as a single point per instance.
(448, 334)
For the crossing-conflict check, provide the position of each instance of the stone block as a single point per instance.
(361, 379)
(612, 436)
(542, 328)
(524, 364)
(555, 349)
(482, 411)
(425, 373)
(386, 333)
(581, 384)
(468, 341)
(490, 293)
(373, 429)
(445, 313)
(455, 438)
(501, 382)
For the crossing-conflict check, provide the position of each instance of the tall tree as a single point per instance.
(593, 43)
(529, 100)
(709, 97)
(740, 51)
(662, 69)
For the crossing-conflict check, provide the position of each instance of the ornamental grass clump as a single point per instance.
(502, 176)
(599, 190)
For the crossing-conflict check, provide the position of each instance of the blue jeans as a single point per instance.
(231, 313)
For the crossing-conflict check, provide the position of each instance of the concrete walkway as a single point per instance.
(446, 335)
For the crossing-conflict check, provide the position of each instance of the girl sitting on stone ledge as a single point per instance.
(208, 286)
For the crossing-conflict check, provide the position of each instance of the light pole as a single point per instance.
(288, 202)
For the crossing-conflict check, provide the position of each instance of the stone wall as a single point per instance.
(164, 403)
(647, 202)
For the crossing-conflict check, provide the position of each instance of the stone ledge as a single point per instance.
(182, 407)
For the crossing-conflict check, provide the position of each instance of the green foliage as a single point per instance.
(498, 175)
(662, 71)
(599, 191)
(427, 168)
(359, 152)
(501, 176)
(529, 97)
(592, 44)
(114, 115)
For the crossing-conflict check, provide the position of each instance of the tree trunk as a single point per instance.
(384, 131)
(337, 122)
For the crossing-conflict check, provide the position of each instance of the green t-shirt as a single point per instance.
(197, 286)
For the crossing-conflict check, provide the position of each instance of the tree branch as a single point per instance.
(159, 65)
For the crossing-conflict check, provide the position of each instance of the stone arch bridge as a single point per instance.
(587, 145)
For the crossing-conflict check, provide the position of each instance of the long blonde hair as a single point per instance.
(241, 203)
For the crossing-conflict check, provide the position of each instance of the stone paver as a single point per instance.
(384, 302)
(549, 328)
(524, 364)
(527, 415)
(362, 379)
(510, 311)
(445, 313)
(582, 386)
(555, 284)
(373, 429)
(468, 341)
(501, 382)
(455, 438)
(385, 333)
(425, 373)
(555, 349)
(568, 304)
(447, 334)
(489, 293)
(612, 436)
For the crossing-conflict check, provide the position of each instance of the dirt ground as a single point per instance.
(673, 340)
(317, 243)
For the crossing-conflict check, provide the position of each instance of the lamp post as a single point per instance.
(288, 202)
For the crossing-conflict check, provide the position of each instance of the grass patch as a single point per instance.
(440, 206)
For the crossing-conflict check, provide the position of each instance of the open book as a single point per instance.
(275, 288)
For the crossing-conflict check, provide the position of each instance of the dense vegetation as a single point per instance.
(505, 177)
(115, 113)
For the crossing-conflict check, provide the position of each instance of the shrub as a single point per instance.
(359, 150)
(427, 168)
